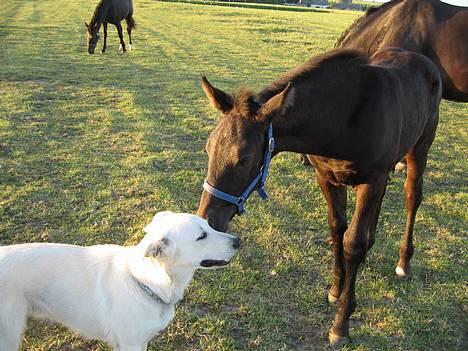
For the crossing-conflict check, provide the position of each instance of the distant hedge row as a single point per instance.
(273, 4)
(266, 5)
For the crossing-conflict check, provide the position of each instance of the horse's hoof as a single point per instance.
(130, 47)
(121, 48)
(400, 167)
(332, 299)
(336, 341)
(304, 160)
(401, 273)
(103, 51)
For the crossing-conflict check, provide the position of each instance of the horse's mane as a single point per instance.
(362, 21)
(97, 13)
(338, 58)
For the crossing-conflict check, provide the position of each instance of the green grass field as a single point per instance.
(91, 147)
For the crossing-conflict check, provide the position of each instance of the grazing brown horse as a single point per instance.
(110, 11)
(356, 116)
(429, 27)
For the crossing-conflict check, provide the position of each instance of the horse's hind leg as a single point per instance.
(416, 160)
(122, 43)
(130, 26)
(336, 198)
(104, 46)
(416, 163)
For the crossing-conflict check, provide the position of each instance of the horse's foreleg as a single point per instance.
(104, 46)
(122, 43)
(336, 198)
(355, 243)
(373, 223)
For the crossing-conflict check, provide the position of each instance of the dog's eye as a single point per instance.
(202, 236)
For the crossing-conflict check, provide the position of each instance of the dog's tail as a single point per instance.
(131, 23)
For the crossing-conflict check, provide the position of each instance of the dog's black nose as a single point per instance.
(236, 243)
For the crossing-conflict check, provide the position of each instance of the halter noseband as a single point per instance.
(260, 180)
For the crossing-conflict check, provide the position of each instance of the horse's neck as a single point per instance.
(370, 30)
(100, 14)
(320, 114)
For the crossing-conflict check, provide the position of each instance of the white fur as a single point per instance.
(400, 272)
(94, 290)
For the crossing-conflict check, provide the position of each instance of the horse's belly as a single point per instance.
(345, 173)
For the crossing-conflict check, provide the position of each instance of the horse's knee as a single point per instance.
(355, 249)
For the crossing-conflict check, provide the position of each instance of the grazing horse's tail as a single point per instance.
(131, 23)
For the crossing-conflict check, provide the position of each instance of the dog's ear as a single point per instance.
(155, 221)
(160, 249)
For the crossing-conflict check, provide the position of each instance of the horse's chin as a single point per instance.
(220, 224)
(90, 51)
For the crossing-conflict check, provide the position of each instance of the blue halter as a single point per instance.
(260, 180)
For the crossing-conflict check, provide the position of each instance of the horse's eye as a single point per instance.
(202, 236)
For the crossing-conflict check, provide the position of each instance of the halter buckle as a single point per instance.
(271, 144)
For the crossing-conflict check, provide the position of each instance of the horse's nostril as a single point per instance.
(236, 243)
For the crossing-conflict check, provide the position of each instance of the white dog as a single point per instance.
(121, 295)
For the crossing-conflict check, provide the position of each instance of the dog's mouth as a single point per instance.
(214, 263)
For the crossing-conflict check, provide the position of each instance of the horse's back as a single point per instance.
(407, 63)
(417, 89)
(430, 27)
(119, 10)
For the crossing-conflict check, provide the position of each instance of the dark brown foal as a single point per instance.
(354, 116)
(110, 11)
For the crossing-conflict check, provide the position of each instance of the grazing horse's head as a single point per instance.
(235, 148)
(92, 36)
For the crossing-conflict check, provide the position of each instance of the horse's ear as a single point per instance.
(86, 24)
(218, 98)
(278, 103)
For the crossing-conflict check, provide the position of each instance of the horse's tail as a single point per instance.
(131, 23)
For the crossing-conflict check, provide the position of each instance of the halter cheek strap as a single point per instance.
(259, 181)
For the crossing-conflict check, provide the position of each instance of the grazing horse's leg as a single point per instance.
(104, 46)
(119, 30)
(336, 198)
(130, 24)
(355, 243)
(304, 160)
(416, 163)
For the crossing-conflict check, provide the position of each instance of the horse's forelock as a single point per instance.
(245, 103)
